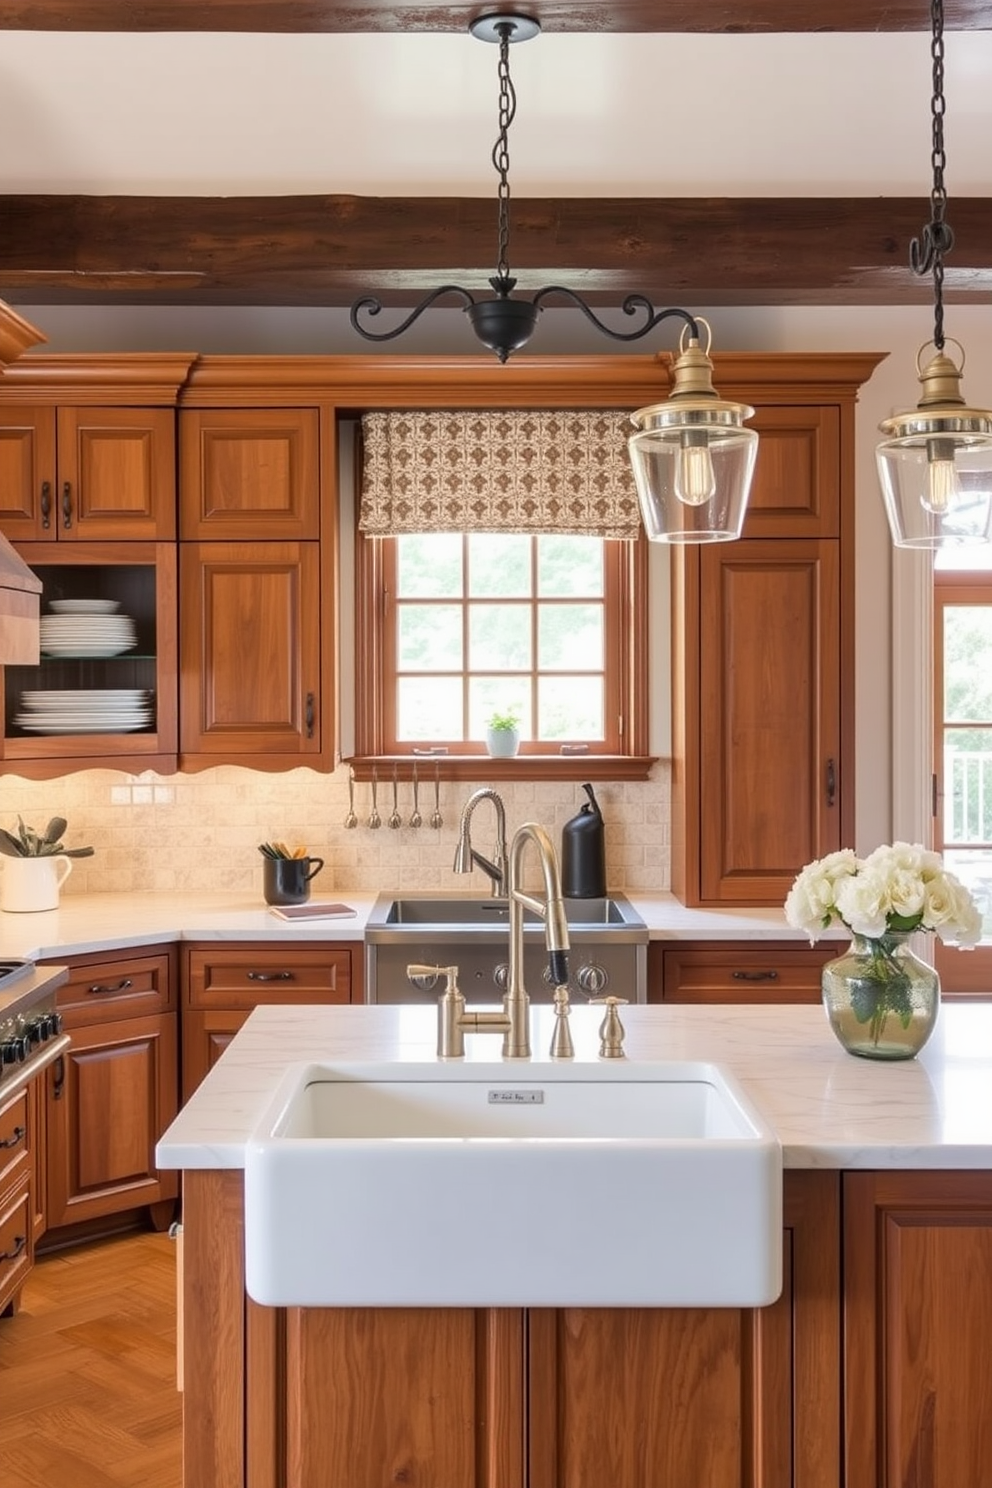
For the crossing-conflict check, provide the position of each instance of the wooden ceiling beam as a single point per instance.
(327, 250)
(711, 16)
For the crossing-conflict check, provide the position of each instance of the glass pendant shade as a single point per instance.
(935, 466)
(692, 458)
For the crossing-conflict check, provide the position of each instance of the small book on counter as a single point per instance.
(313, 911)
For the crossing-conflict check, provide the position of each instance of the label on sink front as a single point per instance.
(525, 1097)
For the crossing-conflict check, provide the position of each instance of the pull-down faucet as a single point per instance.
(513, 1021)
(465, 854)
(516, 1040)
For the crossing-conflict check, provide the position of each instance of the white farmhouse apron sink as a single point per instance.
(504, 1184)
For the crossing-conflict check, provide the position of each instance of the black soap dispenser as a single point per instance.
(583, 853)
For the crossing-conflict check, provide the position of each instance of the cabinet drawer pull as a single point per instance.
(101, 989)
(755, 976)
(310, 714)
(17, 1135)
(20, 1242)
(67, 506)
(46, 504)
(831, 782)
(58, 1078)
(270, 976)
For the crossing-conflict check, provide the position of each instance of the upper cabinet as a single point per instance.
(249, 474)
(88, 448)
(763, 657)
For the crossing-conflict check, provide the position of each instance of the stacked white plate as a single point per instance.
(86, 627)
(119, 710)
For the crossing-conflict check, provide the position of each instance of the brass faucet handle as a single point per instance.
(561, 1040)
(611, 1030)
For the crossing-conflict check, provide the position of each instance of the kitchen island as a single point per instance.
(873, 1369)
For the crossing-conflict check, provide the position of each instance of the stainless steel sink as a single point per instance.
(454, 912)
(608, 946)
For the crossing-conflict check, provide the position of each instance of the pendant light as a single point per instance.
(935, 465)
(692, 458)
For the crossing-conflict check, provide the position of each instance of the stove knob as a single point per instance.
(592, 979)
(34, 1032)
(55, 1023)
(14, 1051)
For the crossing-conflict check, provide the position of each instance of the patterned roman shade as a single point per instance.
(506, 471)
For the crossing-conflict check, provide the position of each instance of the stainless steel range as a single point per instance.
(30, 1027)
(608, 953)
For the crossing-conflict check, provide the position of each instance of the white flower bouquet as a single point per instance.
(896, 889)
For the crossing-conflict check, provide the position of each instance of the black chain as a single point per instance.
(926, 253)
(501, 149)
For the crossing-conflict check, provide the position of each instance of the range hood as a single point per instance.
(20, 589)
(20, 607)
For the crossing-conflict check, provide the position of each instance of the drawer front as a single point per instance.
(14, 1137)
(16, 1241)
(246, 975)
(751, 973)
(101, 988)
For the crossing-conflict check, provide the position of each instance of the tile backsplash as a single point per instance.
(200, 833)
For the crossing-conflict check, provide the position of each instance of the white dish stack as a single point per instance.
(120, 710)
(87, 628)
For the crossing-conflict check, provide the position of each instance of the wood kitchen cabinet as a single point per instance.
(141, 579)
(571, 1398)
(763, 661)
(114, 1090)
(254, 664)
(88, 447)
(249, 474)
(917, 1329)
(17, 1192)
(726, 972)
(221, 985)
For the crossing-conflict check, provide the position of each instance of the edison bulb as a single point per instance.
(695, 479)
(943, 488)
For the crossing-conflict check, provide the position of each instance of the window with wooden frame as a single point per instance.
(962, 756)
(453, 627)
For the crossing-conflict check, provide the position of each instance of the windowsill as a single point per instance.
(519, 767)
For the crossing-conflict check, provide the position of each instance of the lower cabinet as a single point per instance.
(918, 1329)
(460, 1397)
(113, 1092)
(222, 983)
(17, 1192)
(746, 971)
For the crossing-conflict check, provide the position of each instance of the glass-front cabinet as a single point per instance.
(105, 689)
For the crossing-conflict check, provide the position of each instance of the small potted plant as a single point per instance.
(503, 734)
(35, 866)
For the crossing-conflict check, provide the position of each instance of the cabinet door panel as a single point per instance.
(117, 474)
(249, 473)
(109, 1102)
(918, 1319)
(770, 711)
(250, 623)
(27, 473)
(796, 489)
(205, 1037)
(415, 1395)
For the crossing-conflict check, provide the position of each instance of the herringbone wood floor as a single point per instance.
(88, 1393)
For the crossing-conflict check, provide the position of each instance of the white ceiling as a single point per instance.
(415, 114)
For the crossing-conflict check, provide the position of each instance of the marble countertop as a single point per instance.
(828, 1108)
(86, 923)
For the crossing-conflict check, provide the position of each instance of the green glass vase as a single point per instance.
(881, 999)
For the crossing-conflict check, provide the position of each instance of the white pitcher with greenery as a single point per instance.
(34, 866)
